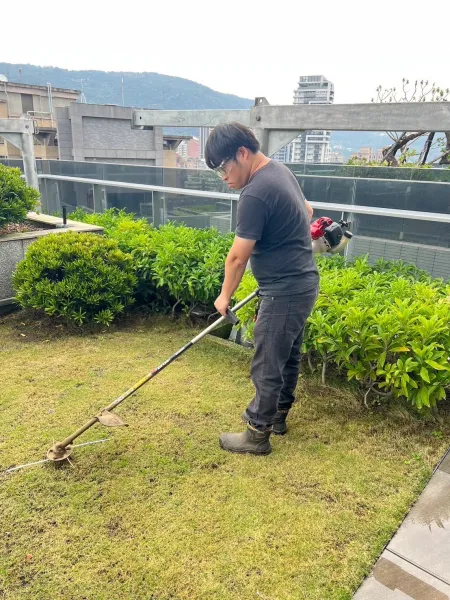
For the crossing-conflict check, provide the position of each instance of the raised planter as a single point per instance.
(13, 247)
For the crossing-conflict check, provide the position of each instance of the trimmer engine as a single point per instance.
(329, 236)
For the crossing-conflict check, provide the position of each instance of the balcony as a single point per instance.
(45, 124)
(42, 121)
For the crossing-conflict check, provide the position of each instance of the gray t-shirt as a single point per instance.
(272, 211)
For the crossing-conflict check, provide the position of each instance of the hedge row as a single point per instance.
(386, 326)
(172, 268)
(176, 266)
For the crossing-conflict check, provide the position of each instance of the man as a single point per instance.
(273, 230)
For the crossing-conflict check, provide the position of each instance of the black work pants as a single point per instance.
(278, 338)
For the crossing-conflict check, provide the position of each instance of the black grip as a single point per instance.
(231, 317)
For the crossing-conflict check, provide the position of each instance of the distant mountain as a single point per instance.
(143, 90)
(348, 142)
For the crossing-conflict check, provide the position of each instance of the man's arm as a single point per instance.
(309, 208)
(234, 270)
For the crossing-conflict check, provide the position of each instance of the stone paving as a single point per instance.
(416, 562)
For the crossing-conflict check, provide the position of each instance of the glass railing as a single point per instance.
(204, 179)
(359, 172)
(12, 162)
(157, 207)
(322, 183)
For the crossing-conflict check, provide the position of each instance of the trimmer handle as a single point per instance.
(231, 317)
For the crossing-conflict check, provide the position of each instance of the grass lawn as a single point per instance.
(159, 512)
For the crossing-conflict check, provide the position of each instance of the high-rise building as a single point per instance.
(189, 148)
(182, 149)
(284, 154)
(189, 154)
(204, 135)
(312, 146)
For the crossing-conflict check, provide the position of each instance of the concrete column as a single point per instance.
(29, 162)
(77, 136)
(262, 135)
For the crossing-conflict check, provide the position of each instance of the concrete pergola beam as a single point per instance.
(188, 118)
(16, 126)
(417, 116)
(276, 126)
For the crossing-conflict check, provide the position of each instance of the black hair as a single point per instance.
(224, 142)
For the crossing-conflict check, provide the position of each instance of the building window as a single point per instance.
(27, 103)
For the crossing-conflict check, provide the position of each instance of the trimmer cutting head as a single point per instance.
(58, 452)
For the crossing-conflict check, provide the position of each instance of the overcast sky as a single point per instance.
(238, 47)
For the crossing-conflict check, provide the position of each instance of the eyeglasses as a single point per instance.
(221, 170)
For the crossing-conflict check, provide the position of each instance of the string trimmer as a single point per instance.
(62, 450)
(327, 236)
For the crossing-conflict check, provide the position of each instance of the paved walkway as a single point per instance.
(416, 562)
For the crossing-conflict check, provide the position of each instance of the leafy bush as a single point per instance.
(189, 264)
(123, 227)
(176, 266)
(132, 235)
(80, 277)
(387, 327)
(16, 197)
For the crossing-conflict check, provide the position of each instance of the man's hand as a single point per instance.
(222, 303)
(234, 269)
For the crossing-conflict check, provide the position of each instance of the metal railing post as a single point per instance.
(233, 219)
(100, 201)
(158, 208)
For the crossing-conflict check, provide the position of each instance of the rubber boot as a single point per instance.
(279, 421)
(250, 441)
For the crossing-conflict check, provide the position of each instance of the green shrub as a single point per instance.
(247, 313)
(176, 266)
(386, 326)
(132, 235)
(80, 277)
(16, 197)
(123, 227)
(186, 265)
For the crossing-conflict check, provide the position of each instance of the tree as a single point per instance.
(421, 91)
